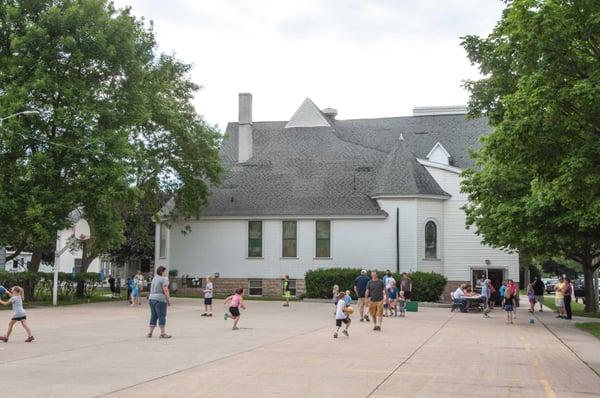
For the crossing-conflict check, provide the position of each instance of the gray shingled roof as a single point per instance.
(402, 174)
(322, 171)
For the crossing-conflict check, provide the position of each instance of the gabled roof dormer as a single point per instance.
(439, 154)
(308, 115)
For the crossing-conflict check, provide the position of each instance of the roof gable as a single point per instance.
(439, 154)
(308, 115)
(402, 175)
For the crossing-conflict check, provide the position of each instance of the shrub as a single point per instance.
(27, 280)
(38, 285)
(427, 286)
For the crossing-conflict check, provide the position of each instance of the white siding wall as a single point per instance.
(462, 249)
(222, 245)
(430, 210)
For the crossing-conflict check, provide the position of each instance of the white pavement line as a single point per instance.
(566, 345)
(209, 362)
(412, 354)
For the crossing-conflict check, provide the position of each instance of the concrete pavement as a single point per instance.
(100, 350)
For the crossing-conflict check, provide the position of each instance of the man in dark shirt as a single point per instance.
(375, 294)
(360, 288)
(538, 290)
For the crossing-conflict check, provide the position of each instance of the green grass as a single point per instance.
(591, 327)
(99, 296)
(577, 308)
(222, 296)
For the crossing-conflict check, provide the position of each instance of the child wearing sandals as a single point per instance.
(19, 315)
(235, 302)
(341, 316)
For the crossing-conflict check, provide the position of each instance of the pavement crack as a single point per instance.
(412, 354)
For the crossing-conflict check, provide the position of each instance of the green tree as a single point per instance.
(116, 124)
(536, 187)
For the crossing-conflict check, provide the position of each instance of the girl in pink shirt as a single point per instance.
(235, 302)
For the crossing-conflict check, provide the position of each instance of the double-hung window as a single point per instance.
(255, 235)
(290, 239)
(323, 241)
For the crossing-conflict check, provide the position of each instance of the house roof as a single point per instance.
(401, 174)
(336, 170)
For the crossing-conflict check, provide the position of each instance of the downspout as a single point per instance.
(397, 239)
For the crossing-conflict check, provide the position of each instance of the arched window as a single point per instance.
(430, 240)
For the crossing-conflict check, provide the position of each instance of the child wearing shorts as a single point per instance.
(401, 304)
(235, 301)
(392, 294)
(135, 292)
(341, 316)
(19, 315)
(508, 304)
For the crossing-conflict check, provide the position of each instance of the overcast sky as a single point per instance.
(366, 58)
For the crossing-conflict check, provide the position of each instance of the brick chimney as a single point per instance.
(245, 128)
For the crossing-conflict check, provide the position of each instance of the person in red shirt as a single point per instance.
(514, 292)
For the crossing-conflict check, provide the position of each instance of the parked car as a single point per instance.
(550, 283)
(579, 289)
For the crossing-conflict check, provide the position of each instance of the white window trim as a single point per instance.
(262, 241)
(314, 249)
(438, 243)
(281, 241)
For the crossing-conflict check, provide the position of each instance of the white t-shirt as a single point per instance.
(208, 290)
(139, 279)
(388, 281)
(339, 312)
(458, 293)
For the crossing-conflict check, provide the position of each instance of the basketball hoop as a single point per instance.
(81, 230)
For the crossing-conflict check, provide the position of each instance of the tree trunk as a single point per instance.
(36, 259)
(86, 260)
(15, 254)
(591, 294)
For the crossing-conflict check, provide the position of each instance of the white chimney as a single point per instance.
(245, 128)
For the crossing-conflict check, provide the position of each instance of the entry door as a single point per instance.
(477, 277)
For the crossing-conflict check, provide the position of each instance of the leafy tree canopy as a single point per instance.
(536, 186)
(115, 126)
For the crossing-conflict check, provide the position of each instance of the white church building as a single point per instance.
(318, 192)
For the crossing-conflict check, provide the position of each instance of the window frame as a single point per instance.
(317, 239)
(162, 241)
(435, 240)
(250, 287)
(250, 239)
(284, 239)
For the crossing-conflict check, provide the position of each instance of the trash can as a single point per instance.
(412, 306)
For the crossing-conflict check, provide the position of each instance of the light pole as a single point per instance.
(2, 119)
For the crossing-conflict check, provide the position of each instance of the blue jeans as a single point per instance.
(158, 310)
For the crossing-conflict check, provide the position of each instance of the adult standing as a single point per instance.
(111, 285)
(406, 286)
(567, 295)
(360, 288)
(559, 297)
(375, 294)
(486, 295)
(538, 289)
(208, 297)
(158, 300)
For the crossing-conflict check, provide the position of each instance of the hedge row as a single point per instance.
(427, 286)
(38, 285)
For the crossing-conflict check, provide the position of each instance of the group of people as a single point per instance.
(382, 298)
(508, 294)
(563, 295)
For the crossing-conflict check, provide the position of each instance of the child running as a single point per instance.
(235, 302)
(341, 316)
(19, 315)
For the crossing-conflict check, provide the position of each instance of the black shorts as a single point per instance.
(338, 322)
(235, 311)
(19, 318)
(208, 301)
(407, 295)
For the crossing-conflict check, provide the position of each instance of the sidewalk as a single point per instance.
(585, 346)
